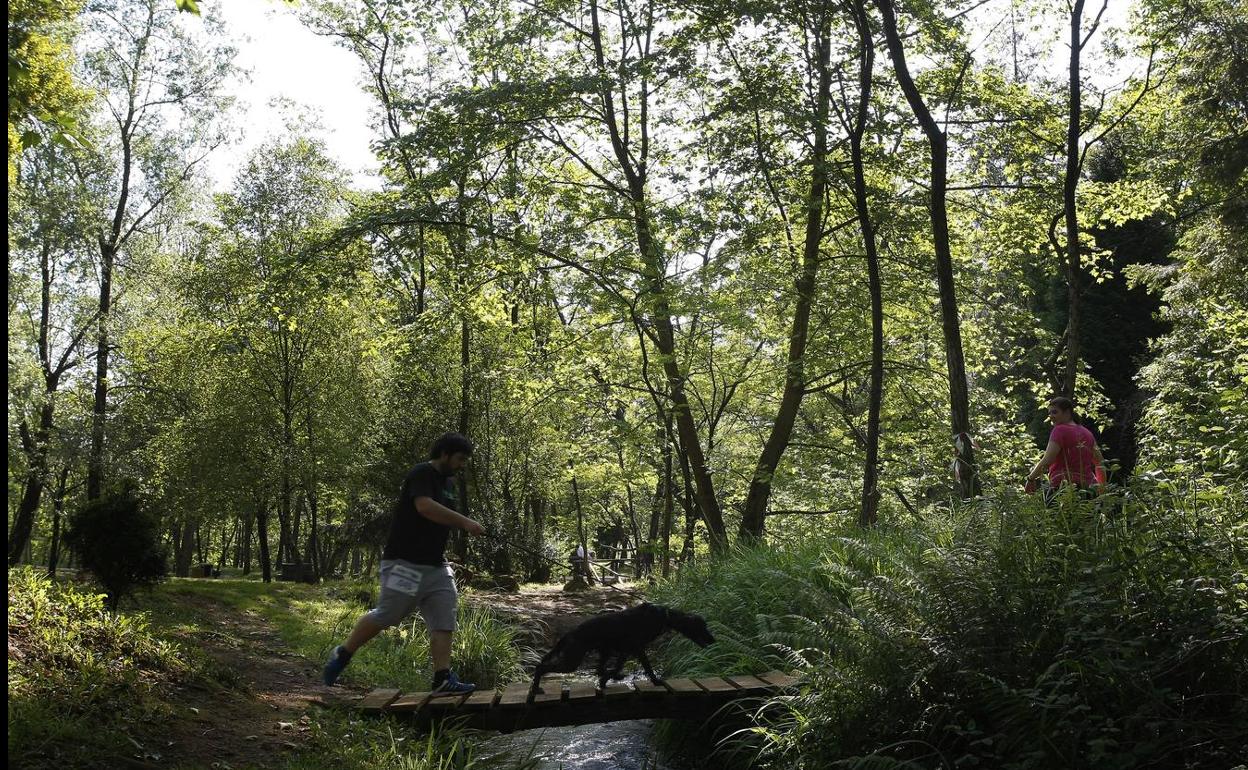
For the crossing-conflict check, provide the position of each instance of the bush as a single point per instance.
(1110, 634)
(118, 539)
(79, 676)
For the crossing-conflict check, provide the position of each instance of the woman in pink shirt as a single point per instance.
(1072, 456)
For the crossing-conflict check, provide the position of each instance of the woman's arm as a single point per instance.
(1050, 456)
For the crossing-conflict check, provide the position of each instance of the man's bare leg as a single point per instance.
(440, 649)
(365, 628)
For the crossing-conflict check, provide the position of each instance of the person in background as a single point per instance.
(1071, 457)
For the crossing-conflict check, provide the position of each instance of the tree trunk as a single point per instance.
(459, 540)
(95, 463)
(753, 518)
(184, 542)
(262, 532)
(965, 471)
(58, 505)
(869, 511)
(36, 446)
(669, 498)
(36, 449)
(580, 531)
(660, 316)
(226, 542)
(1074, 271)
(247, 538)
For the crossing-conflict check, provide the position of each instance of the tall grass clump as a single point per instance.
(81, 679)
(1092, 634)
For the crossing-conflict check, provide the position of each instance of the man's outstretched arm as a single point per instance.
(436, 512)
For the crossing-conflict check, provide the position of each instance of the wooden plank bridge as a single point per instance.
(577, 703)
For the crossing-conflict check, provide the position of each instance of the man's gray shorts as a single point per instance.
(406, 587)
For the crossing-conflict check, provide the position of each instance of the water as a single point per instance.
(624, 745)
(627, 745)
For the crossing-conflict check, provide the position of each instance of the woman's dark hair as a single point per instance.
(1066, 405)
(449, 444)
(1063, 403)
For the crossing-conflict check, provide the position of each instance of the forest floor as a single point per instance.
(270, 710)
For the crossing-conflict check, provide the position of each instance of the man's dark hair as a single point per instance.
(449, 444)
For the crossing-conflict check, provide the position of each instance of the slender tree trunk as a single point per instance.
(248, 534)
(296, 528)
(58, 505)
(36, 446)
(669, 496)
(95, 463)
(262, 532)
(184, 538)
(652, 264)
(1074, 271)
(226, 542)
(580, 531)
(465, 339)
(754, 515)
(868, 513)
(965, 471)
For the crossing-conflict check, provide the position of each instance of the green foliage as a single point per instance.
(80, 678)
(119, 540)
(41, 88)
(1107, 634)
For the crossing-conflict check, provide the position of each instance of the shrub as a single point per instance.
(1110, 634)
(118, 539)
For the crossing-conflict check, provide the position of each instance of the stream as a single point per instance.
(624, 745)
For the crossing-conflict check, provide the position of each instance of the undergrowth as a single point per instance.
(1104, 634)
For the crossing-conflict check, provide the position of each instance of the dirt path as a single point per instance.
(267, 713)
(549, 612)
(263, 716)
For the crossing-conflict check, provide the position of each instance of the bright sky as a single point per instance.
(286, 59)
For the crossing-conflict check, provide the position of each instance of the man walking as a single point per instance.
(414, 574)
(1072, 456)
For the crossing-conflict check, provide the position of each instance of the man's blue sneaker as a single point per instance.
(449, 684)
(338, 660)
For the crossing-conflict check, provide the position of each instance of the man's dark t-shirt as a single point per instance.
(413, 537)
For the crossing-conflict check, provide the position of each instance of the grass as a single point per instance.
(82, 682)
(87, 688)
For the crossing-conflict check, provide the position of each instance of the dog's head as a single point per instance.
(692, 626)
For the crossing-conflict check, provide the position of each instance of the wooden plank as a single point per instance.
(714, 684)
(646, 687)
(378, 699)
(749, 683)
(581, 691)
(616, 689)
(683, 686)
(481, 699)
(553, 693)
(514, 695)
(779, 679)
(412, 701)
(443, 704)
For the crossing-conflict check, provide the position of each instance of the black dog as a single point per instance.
(619, 636)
